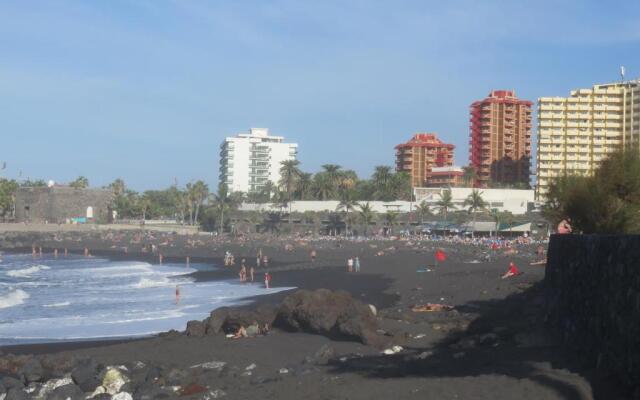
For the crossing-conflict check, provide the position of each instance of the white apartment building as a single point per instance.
(575, 133)
(249, 161)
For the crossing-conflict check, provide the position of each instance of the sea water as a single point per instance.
(77, 298)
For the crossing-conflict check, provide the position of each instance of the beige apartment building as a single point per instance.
(575, 133)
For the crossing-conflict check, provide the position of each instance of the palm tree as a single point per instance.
(145, 204)
(475, 203)
(289, 173)
(323, 186)
(199, 192)
(305, 183)
(81, 182)
(118, 187)
(381, 178)
(445, 203)
(333, 174)
(423, 210)
(469, 175)
(495, 214)
(268, 190)
(224, 202)
(391, 218)
(367, 216)
(347, 203)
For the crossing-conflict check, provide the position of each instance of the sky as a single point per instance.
(147, 90)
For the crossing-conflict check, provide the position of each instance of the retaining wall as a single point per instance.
(594, 299)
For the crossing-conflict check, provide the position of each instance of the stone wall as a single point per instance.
(594, 299)
(57, 204)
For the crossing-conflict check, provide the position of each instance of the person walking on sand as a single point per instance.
(313, 255)
(177, 294)
(267, 279)
(243, 273)
(356, 263)
(251, 272)
(350, 264)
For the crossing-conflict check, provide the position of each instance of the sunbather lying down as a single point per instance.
(252, 330)
(540, 262)
(431, 307)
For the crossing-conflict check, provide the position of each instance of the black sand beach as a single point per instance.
(492, 345)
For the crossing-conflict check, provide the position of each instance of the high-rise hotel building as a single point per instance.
(249, 161)
(421, 155)
(575, 133)
(500, 139)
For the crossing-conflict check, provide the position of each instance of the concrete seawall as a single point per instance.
(593, 284)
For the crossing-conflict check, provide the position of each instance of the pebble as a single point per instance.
(250, 367)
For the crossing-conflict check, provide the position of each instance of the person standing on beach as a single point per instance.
(350, 264)
(243, 273)
(357, 264)
(313, 255)
(251, 272)
(267, 279)
(177, 294)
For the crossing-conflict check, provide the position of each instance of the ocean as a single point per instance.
(76, 298)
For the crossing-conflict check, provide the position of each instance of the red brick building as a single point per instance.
(419, 155)
(500, 139)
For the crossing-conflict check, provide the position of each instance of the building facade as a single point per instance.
(249, 161)
(500, 139)
(576, 133)
(446, 177)
(63, 204)
(420, 155)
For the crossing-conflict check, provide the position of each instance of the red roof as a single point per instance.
(425, 140)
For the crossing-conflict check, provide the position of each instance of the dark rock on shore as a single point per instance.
(228, 320)
(335, 314)
(67, 392)
(196, 328)
(85, 374)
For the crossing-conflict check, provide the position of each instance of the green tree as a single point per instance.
(198, 193)
(347, 204)
(607, 202)
(289, 173)
(391, 219)
(475, 202)
(401, 187)
(8, 190)
(423, 210)
(81, 182)
(305, 184)
(381, 180)
(323, 186)
(224, 202)
(118, 187)
(445, 203)
(469, 176)
(367, 216)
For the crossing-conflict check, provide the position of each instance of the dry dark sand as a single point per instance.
(493, 346)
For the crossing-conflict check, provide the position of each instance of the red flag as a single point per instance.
(441, 255)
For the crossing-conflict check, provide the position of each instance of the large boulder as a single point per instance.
(67, 392)
(32, 371)
(85, 374)
(336, 315)
(195, 328)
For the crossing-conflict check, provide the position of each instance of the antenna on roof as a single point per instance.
(622, 73)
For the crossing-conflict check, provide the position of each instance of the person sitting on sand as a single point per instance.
(512, 271)
(252, 330)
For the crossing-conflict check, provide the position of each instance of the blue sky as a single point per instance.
(147, 90)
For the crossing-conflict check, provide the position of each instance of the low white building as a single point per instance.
(515, 201)
(328, 206)
(249, 161)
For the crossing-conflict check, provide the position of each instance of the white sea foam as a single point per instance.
(13, 298)
(26, 272)
(61, 304)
